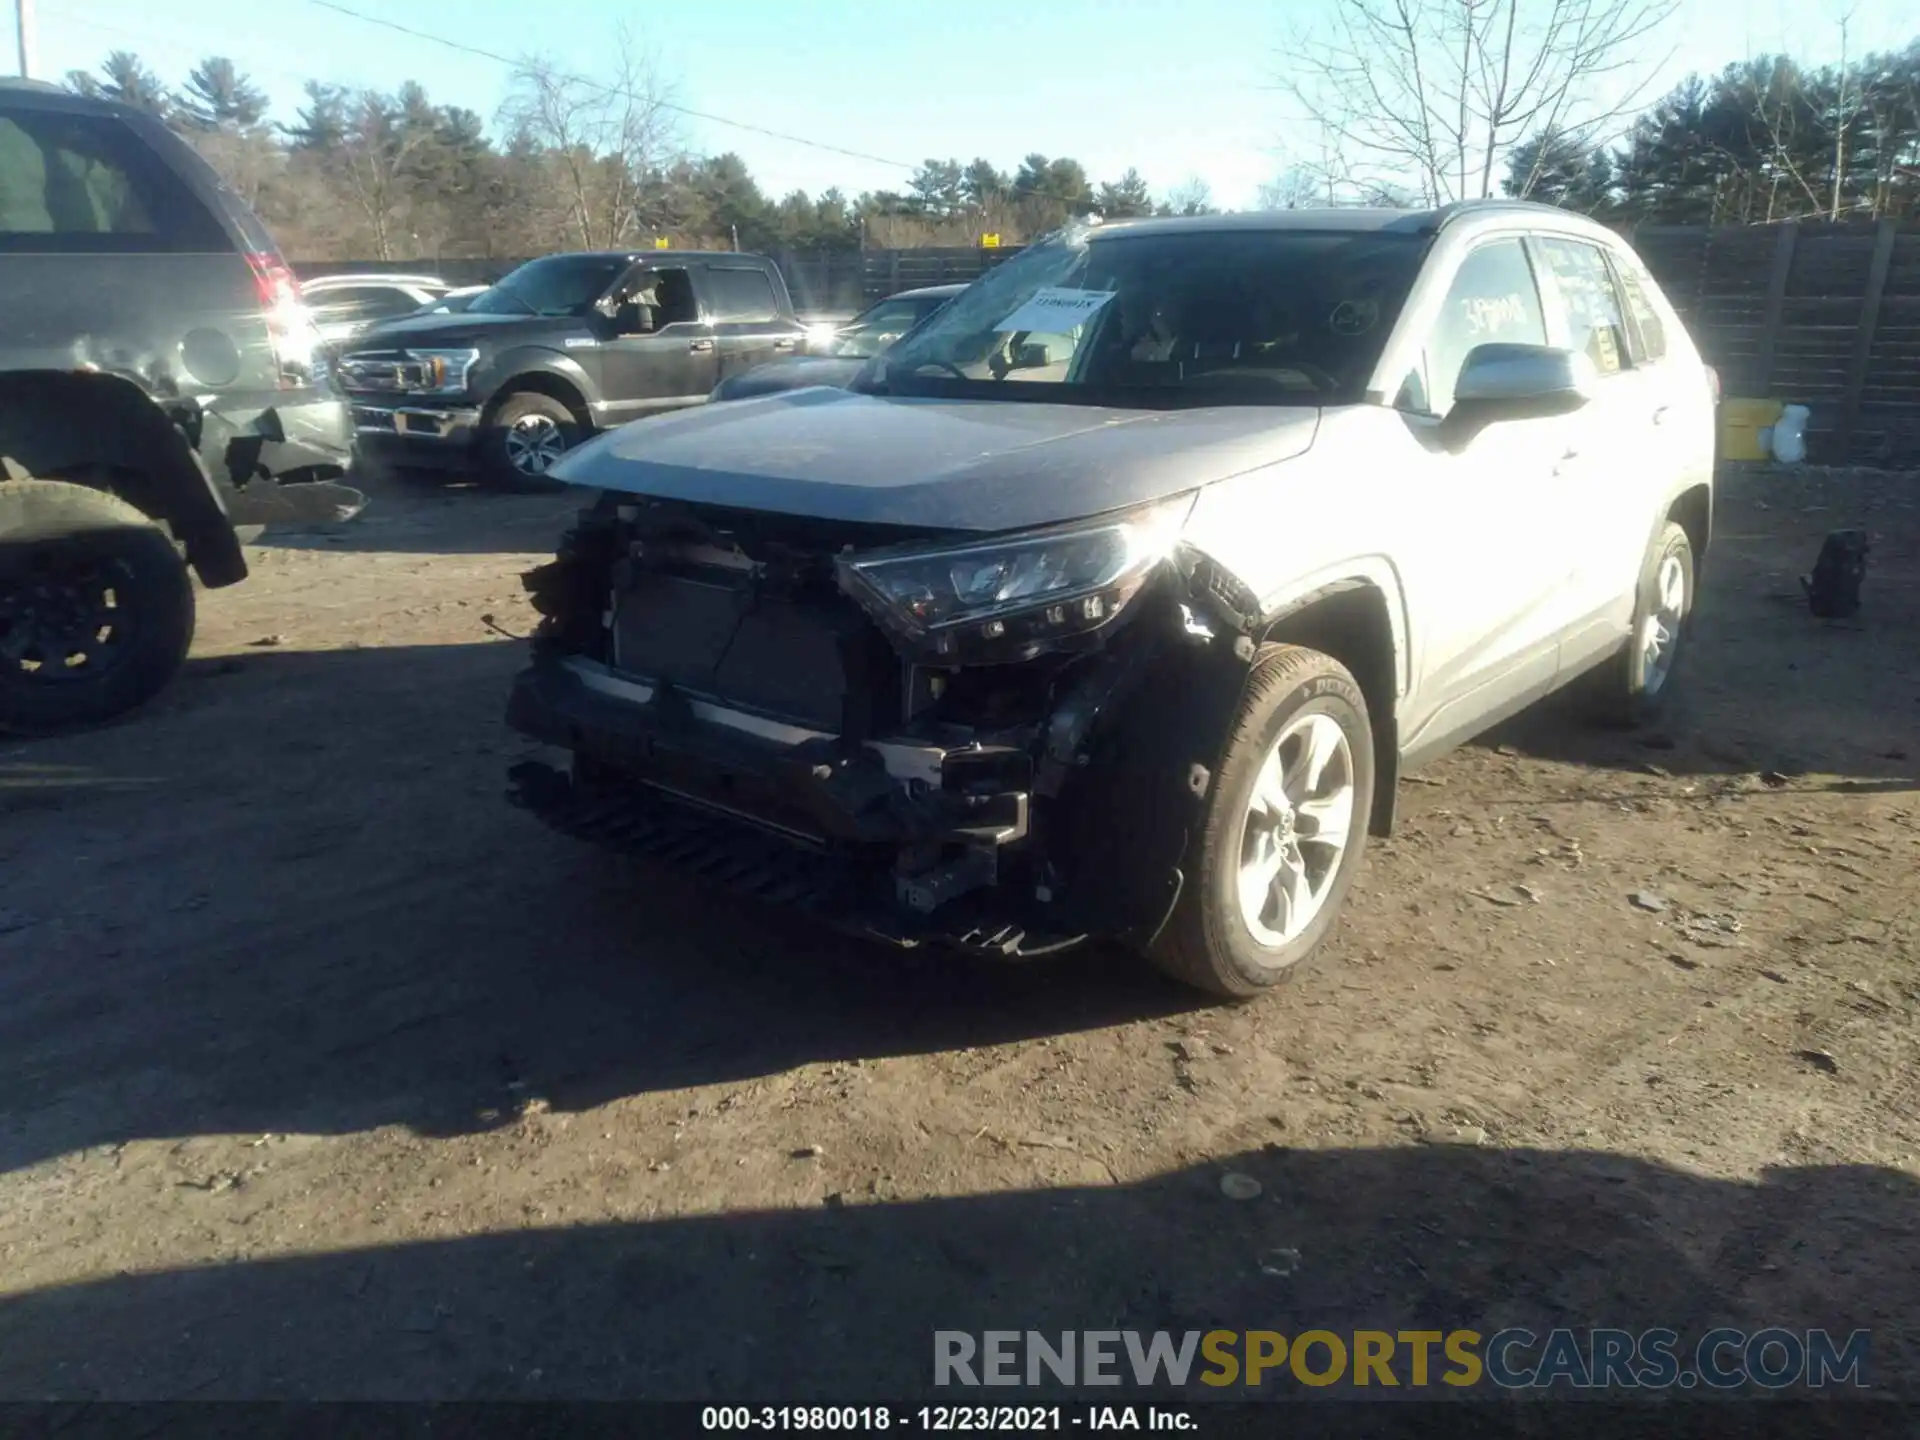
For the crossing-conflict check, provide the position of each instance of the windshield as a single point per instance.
(1197, 317)
(555, 285)
(872, 331)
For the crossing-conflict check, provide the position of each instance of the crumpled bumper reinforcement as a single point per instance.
(789, 818)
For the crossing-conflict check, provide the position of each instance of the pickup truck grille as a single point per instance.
(382, 371)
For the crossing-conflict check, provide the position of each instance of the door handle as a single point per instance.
(1660, 415)
(783, 344)
(699, 347)
(1560, 465)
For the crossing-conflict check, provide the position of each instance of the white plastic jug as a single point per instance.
(1789, 438)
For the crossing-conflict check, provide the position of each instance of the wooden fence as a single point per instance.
(888, 272)
(1826, 316)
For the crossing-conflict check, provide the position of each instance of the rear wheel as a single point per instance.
(96, 606)
(1285, 827)
(524, 439)
(1633, 688)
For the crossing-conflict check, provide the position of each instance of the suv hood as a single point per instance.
(795, 374)
(456, 329)
(982, 465)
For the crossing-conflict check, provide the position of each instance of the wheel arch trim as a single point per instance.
(516, 366)
(88, 426)
(1374, 572)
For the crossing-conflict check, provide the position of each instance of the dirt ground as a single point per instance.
(325, 1073)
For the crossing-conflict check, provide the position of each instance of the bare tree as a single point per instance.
(372, 164)
(1892, 106)
(1781, 105)
(249, 162)
(602, 140)
(1298, 187)
(1435, 94)
(1846, 113)
(1192, 196)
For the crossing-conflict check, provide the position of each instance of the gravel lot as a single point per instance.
(323, 1072)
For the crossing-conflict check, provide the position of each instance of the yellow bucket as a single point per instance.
(1741, 422)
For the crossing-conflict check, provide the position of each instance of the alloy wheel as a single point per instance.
(1660, 631)
(1299, 818)
(534, 444)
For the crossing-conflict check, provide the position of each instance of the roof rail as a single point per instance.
(1492, 205)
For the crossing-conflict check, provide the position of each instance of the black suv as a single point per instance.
(156, 370)
(563, 346)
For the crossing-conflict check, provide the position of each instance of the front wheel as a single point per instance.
(524, 439)
(1284, 831)
(96, 607)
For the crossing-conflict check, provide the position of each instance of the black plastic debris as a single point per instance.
(1833, 590)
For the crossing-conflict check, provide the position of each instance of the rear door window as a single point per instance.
(90, 184)
(738, 295)
(1650, 331)
(1596, 323)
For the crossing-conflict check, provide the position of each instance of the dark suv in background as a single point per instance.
(160, 383)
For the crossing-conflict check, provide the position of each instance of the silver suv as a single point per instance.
(1009, 647)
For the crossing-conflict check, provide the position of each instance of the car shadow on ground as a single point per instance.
(1766, 690)
(1748, 741)
(244, 915)
(839, 1302)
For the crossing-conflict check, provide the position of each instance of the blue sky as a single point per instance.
(1173, 87)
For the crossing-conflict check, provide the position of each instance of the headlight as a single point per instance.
(1010, 597)
(438, 372)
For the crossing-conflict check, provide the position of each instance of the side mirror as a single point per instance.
(1518, 382)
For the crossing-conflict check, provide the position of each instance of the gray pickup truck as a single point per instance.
(562, 347)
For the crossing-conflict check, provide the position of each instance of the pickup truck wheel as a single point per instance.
(96, 607)
(1285, 827)
(524, 438)
(1632, 688)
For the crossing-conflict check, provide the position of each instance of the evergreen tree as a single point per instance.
(218, 96)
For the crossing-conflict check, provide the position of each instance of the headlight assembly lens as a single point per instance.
(440, 372)
(1027, 587)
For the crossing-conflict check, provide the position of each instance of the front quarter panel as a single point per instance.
(1291, 530)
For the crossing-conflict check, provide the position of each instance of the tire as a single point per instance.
(1632, 688)
(526, 418)
(1294, 698)
(70, 557)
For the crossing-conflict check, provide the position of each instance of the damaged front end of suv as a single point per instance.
(998, 743)
(1031, 634)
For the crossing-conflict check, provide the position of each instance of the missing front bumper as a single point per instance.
(895, 840)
